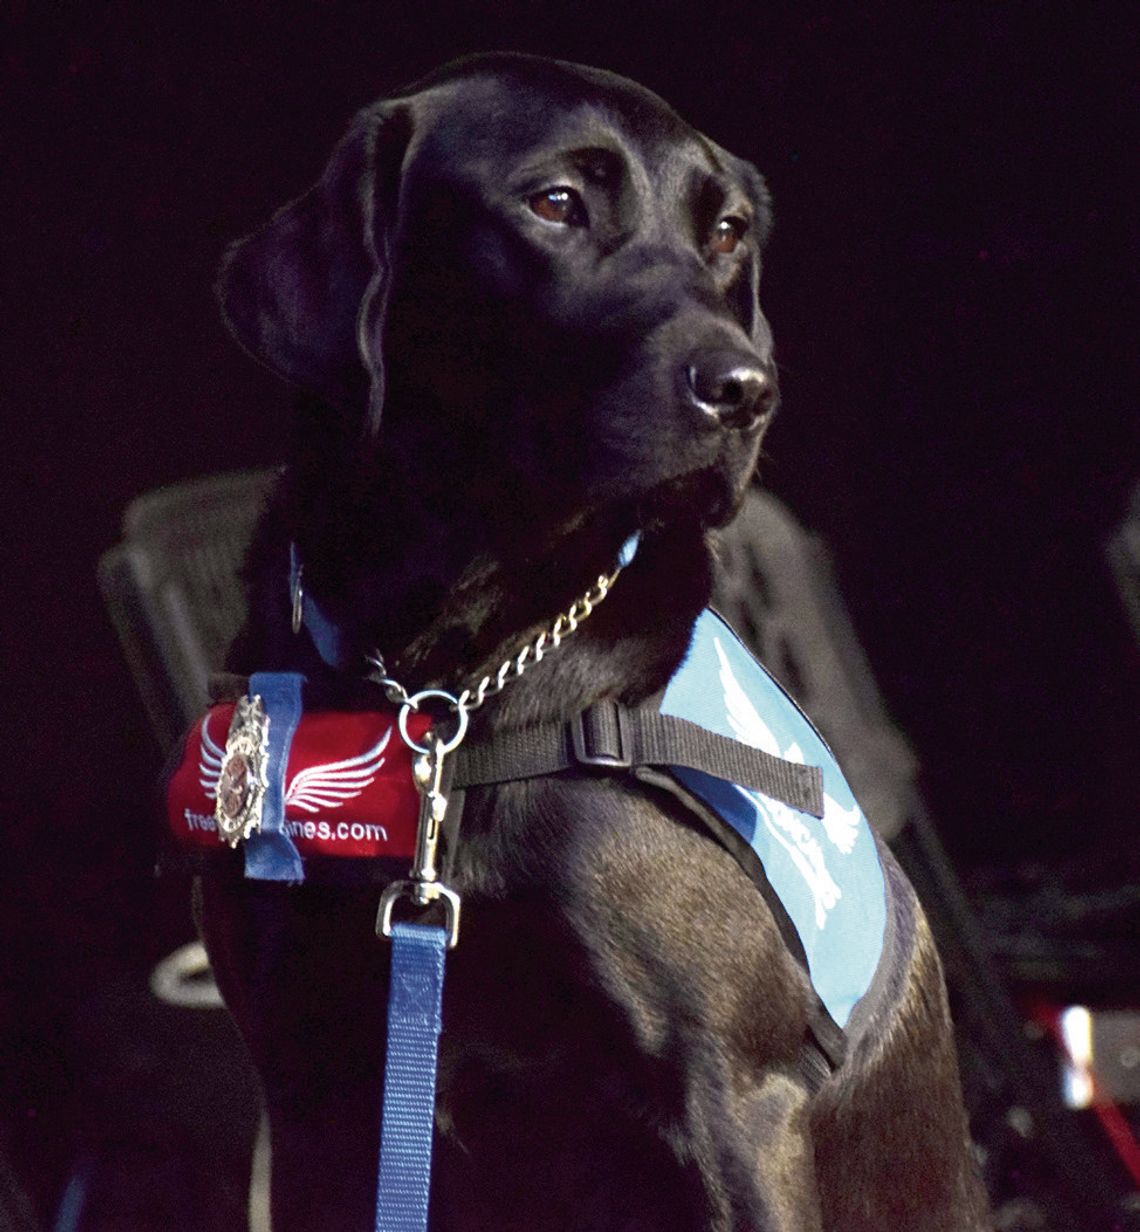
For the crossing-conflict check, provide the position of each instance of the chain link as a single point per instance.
(394, 691)
(510, 669)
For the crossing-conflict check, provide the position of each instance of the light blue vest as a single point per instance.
(826, 871)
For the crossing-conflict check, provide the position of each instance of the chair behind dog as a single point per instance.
(172, 589)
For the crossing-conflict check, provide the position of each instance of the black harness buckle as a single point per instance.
(600, 736)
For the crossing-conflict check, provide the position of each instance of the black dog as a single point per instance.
(523, 302)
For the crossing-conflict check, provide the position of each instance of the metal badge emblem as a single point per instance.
(244, 777)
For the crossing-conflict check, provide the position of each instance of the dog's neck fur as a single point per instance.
(446, 604)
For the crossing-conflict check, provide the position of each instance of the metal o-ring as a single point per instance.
(413, 704)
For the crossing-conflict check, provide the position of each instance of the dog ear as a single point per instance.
(757, 325)
(297, 293)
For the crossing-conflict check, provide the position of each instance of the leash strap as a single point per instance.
(414, 1023)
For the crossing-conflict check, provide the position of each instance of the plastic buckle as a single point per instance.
(584, 737)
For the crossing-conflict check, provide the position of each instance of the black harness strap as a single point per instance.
(610, 736)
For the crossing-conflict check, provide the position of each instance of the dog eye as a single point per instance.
(558, 205)
(727, 234)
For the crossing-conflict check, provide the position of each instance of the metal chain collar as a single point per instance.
(424, 886)
(472, 697)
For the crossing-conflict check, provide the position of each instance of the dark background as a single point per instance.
(948, 281)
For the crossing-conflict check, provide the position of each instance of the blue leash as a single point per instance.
(415, 997)
(415, 1000)
(414, 1023)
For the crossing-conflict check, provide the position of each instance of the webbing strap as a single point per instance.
(611, 736)
(414, 1022)
(270, 854)
(326, 635)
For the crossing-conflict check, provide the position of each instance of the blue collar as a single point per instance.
(326, 634)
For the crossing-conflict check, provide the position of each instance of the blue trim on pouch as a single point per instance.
(270, 854)
(825, 871)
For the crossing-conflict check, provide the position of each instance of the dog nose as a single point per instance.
(734, 390)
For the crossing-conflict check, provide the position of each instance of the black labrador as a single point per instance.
(522, 304)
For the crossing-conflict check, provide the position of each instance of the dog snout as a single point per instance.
(733, 389)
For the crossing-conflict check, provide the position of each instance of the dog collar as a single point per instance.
(327, 636)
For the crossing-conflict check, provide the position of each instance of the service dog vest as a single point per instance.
(723, 736)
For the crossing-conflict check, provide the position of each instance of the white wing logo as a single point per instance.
(326, 786)
(209, 762)
(334, 783)
(840, 825)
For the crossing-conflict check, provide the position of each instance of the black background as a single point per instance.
(949, 282)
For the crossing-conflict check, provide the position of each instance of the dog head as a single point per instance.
(534, 279)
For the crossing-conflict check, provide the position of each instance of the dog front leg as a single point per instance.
(683, 944)
(306, 982)
(750, 1138)
(890, 1128)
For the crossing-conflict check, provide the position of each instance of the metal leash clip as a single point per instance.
(424, 886)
